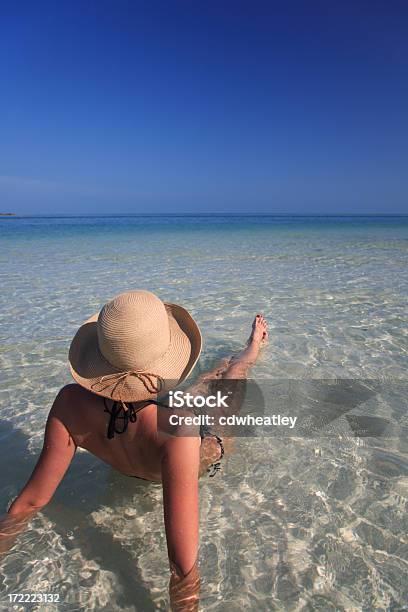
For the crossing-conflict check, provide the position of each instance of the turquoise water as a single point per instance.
(299, 525)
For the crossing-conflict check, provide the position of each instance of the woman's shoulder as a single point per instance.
(73, 401)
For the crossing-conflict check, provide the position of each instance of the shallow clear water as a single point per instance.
(289, 525)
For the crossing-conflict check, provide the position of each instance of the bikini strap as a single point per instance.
(125, 412)
(214, 467)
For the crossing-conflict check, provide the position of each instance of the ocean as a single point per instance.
(305, 523)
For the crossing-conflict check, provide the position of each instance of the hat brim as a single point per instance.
(91, 370)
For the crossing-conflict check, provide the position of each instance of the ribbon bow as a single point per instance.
(119, 379)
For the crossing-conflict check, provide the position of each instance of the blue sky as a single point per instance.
(184, 106)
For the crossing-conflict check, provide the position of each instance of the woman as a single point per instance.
(136, 349)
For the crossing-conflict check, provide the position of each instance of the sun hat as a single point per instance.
(135, 348)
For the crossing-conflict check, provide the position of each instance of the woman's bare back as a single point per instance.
(138, 451)
(135, 452)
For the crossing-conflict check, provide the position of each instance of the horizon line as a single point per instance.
(10, 215)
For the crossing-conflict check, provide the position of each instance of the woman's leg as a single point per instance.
(234, 369)
(239, 365)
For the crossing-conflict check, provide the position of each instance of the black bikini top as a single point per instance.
(127, 413)
(124, 413)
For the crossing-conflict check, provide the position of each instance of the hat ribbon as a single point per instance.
(119, 379)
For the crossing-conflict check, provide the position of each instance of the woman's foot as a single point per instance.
(259, 334)
(240, 364)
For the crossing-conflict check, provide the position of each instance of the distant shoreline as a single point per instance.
(204, 215)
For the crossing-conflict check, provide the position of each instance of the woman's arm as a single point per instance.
(56, 455)
(180, 468)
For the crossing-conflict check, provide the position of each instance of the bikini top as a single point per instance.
(124, 413)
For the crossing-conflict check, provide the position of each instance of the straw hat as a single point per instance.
(135, 348)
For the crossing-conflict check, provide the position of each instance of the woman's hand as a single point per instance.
(184, 590)
(10, 527)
